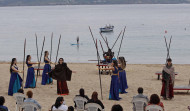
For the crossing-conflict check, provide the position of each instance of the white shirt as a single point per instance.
(62, 107)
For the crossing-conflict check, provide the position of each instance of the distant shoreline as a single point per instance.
(96, 4)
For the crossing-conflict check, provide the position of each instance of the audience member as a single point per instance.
(70, 108)
(95, 99)
(2, 101)
(140, 95)
(116, 107)
(155, 100)
(29, 99)
(59, 104)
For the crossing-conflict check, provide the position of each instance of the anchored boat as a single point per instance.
(107, 28)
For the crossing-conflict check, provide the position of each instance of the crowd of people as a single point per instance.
(62, 73)
(60, 102)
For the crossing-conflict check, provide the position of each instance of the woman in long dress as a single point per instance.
(30, 80)
(122, 75)
(47, 68)
(15, 80)
(62, 74)
(114, 87)
(168, 78)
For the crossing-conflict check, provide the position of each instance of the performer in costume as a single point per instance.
(15, 80)
(168, 77)
(30, 80)
(122, 75)
(47, 68)
(114, 87)
(62, 74)
(108, 56)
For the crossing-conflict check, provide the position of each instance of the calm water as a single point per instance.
(143, 42)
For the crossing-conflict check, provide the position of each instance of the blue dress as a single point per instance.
(30, 80)
(45, 77)
(114, 87)
(122, 81)
(15, 82)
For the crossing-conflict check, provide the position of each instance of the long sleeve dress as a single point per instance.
(61, 73)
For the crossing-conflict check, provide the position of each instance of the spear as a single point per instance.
(98, 57)
(40, 59)
(121, 42)
(24, 62)
(58, 48)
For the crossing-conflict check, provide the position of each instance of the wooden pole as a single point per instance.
(121, 42)
(104, 40)
(24, 62)
(40, 60)
(98, 57)
(116, 40)
(51, 45)
(101, 46)
(58, 49)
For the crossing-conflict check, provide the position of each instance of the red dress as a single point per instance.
(167, 90)
(62, 88)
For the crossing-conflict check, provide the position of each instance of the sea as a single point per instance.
(142, 43)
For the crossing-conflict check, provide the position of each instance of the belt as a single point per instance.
(29, 66)
(15, 72)
(46, 63)
(115, 74)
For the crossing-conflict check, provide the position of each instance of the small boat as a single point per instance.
(107, 28)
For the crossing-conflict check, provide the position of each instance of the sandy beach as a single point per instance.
(86, 76)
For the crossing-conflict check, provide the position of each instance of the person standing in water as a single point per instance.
(77, 39)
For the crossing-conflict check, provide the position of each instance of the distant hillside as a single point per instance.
(85, 2)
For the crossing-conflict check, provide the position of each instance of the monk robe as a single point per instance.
(61, 73)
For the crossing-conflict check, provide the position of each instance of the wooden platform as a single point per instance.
(160, 73)
(187, 87)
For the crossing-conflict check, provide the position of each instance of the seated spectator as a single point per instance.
(140, 95)
(95, 99)
(29, 99)
(70, 108)
(82, 94)
(59, 104)
(155, 100)
(116, 107)
(21, 91)
(2, 101)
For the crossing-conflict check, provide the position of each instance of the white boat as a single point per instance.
(107, 28)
